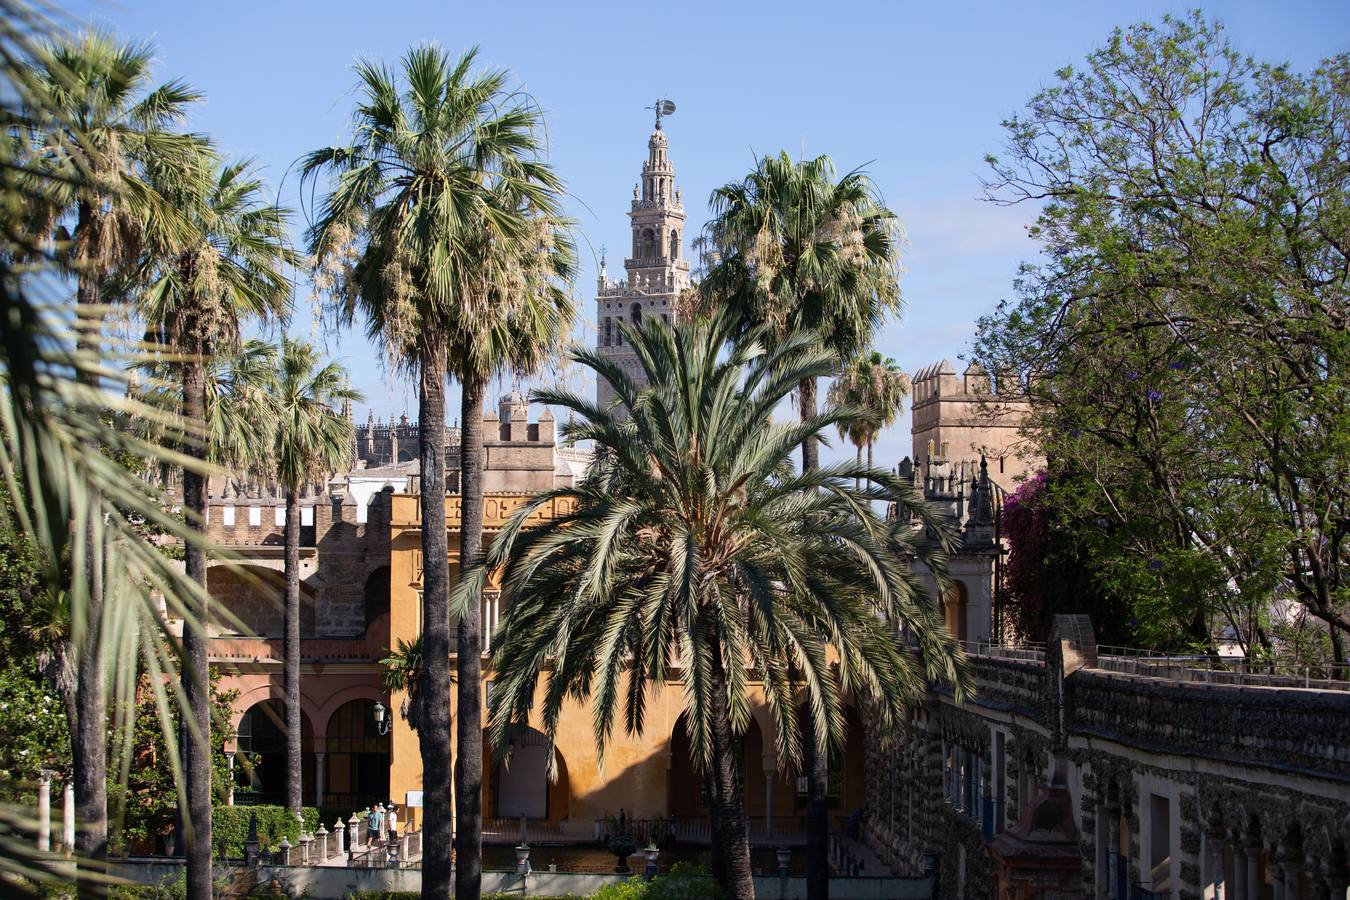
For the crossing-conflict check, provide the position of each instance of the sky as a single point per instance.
(914, 92)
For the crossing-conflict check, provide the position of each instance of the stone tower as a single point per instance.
(656, 272)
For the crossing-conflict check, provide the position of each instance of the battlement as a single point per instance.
(958, 419)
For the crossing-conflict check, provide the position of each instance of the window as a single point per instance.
(307, 516)
(255, 516)
(609, 331)
(280, 514)
(635, 314)
(674, 244)
(648, 243)
(1160, 842)
(227, 515)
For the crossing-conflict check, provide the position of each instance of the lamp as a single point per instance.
(382, 720)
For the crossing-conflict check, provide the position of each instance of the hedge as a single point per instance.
(230, 827)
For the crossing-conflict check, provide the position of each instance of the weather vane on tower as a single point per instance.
(662, 108)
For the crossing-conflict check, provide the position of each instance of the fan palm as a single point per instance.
(194, 296)
(57, 401)
(522, 265)
(312, 440)
(106, 121)
(696, 552)
(797, 250)
(435, 149)
(875, 385)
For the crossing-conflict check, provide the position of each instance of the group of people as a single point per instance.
(381, 823)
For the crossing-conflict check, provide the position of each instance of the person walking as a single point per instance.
(374, 822)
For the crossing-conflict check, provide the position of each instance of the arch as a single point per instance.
(272, 691)
(260, 742)
(955, 602)
(635, 314)
(674, 243)
(405, 456)
(520, 786)
(356, 757)
(325, 712)
(376, 600)
(254, 597)
(846, 791)
(687, 797)
(648, 243)
(609, 331)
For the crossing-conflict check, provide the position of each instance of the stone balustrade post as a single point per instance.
(284, 857)
(354, 832)
(44, 813)
(339, 829)
(322, 837)
(305, 841)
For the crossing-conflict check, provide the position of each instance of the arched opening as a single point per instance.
(648, 243)
(635, 314)
(954, 600)
(405, 456)
(674, 244)
(845, 791)
(519, 785)
(688, 799)
(376, 597)
(609, 331)
(260, 763)
(250, 600)
(357, 757)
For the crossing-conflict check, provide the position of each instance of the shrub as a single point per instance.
(684, 881)
(230, 824)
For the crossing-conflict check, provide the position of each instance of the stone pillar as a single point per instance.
(354, 832)
(1215, 855)
(229, 760)
(284, 857)
(319, 757)
(339, 830)
(1335, 878)
(321, 839)
(770, 775)
(44, 813)
(1289, 868)
(1239, 873)
(68, 817)
(1254, 874)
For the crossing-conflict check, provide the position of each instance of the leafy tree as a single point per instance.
(105, 121)
(875, 385)
(694, 544)
(440, 163)
(793, 250)
(313, 440)
(1186, 327)
(194, 294)
(38, 735)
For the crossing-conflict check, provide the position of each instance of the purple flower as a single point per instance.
(1155, 565)
(1176, 366)
(1154, 396)
(1133, 376)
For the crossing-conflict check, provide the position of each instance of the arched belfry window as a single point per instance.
(609, 331)
(648, 243)
(635, 314)
(674, 244)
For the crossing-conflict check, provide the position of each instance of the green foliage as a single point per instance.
(1185, 331)
(37, 737)
(684, 881)
(230, 827)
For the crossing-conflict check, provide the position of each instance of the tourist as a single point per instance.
(374, 822)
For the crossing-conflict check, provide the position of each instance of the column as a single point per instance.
(1254, 874)
(68, 817)
(1289, 868)
(319, 773)
(1335, 877)
(44, 812)
(229, 760)
(1215, 842)
(770, 775)
(1239, 873)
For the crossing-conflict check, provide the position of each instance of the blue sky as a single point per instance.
(913, 91)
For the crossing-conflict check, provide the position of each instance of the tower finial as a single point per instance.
(662, 108)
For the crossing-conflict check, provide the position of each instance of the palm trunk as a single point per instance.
(195, 738)
(469, 762)
(433, 729)
(291, 673)
(815, 765)
(88, 727)
(870, 443)
(726, 803)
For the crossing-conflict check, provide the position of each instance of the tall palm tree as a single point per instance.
(108, 121)
(875, 385)
(312, 440)
(431, 147)
(697, 552)
(194, 296)
(796, 249)
(517, 312)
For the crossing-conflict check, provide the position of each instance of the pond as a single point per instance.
(590, 858)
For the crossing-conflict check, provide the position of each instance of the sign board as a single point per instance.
(415, 799)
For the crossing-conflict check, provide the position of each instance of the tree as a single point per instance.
(1186, 325)
(514, 311)
(313, 440)
(876, 386)
(193, 296)
(797, 251)
(434, 148)
(694, 543)
(104, 122)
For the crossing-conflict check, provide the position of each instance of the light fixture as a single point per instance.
(382, 721)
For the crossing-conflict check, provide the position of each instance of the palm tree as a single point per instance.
(795, 250)
(107, 122)
(517, 311)
(194, 295)
(878, 387)
(312, 440)
(434, 149)
(694, 544)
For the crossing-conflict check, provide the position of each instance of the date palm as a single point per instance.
(194, 296)
(696, 552)
(312, 440)
(106, 121)
(795, 249)
(435, 147)
(875, 385)
(517, 313)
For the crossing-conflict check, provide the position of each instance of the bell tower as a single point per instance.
(657, 270)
